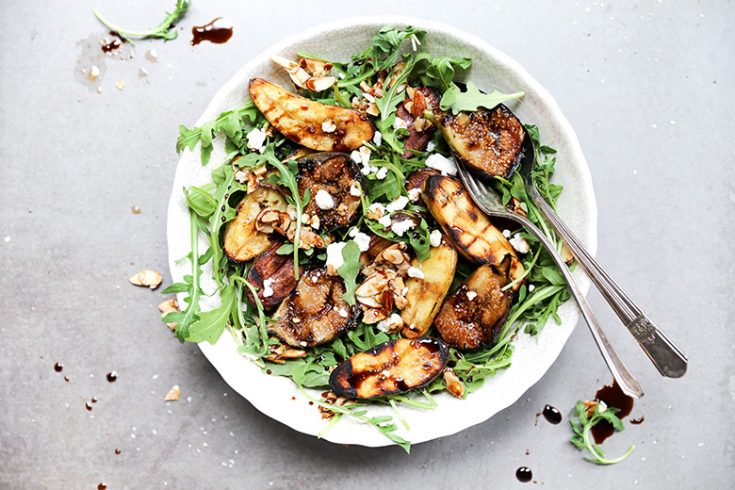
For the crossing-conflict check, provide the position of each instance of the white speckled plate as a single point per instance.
(532, 357)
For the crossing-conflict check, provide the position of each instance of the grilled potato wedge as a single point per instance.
(278, 271)
(425, 295)
(300, 119)
(396, 366)
(335, 174)
(315, 313)
(487, 141)
(242, 241)
(473, 316)
(466, 226)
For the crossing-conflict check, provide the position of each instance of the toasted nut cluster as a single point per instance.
(273, 220)
(454, 385)
(384, 288)
(281, 352)
(308, 73)
(332, 399)
(167, 307)
(250, 177)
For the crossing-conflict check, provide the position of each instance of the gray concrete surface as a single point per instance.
(648, 86)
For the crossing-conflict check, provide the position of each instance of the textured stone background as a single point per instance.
(644, 83)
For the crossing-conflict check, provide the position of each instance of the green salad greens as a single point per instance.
(251, 143)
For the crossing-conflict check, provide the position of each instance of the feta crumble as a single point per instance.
(430, 146)
(382, 173)
(415, 272)
(390, 324)
(385, 221)
(531, 287)
(471, 295)
(397, 204)
(378, 138)
(256, 139)
(401, 227)
(355, 190)
(506, 233)
(362, 240)
(328, 126)
(324, 200)
(520, 244)
(441, 163)
(400, 123)
(364, 152)
(267, 289)
(342, 312)
(414, 194)
(355, 156)
(334, 254)
(435, 238)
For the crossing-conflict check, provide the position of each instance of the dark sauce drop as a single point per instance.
(614, 397)
(638, 421)
(524, 474)
(311, 403)
(88, 406)
(218, 31)
(94, 399)
(117, 450)
(101, 486)
(112, 376)
(58, 367)
(552, 415)
(66, 378)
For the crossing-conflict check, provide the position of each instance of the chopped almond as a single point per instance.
(454, 385)
(147, 278)
(167, 307)
(173, 394)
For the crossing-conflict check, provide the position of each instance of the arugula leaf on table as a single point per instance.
(582, 427)
(165, 30)
(472, 98)
(349, 270)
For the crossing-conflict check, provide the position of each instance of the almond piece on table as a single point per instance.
(147, 278)
(173, 394)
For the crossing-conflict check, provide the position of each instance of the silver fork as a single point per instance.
(668, 359)
(489, 202)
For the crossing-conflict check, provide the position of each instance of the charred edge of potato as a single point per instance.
(468, 228)
(396, 366)
(334, 173)
(315, 312)
(242, 241)
(489, 142)
(301, 120)
(417, 179)
(473, 316)
(425, 295)
(279, 269)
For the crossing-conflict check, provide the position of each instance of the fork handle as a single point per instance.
(627, 382)
(667, 357)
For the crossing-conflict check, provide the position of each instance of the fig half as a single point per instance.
(393, 367)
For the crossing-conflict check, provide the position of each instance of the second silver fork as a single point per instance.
(489, 202)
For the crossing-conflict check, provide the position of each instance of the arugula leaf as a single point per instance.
(165, 30)
(211, 324)
(472, 98)
(200, 201)
(349, 270)
(582, 429)
(441, 70)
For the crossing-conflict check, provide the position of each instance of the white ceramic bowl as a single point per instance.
(532, 356)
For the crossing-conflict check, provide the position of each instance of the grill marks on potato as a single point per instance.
(334, 173)
(487, 141)
(315, 313)
(473, 316)
(469, 229)
(242, 241)
(300, 119)
(393, 367)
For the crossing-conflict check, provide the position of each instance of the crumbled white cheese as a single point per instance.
(382, 173)
(355, 190)
(441, 163)
(334, 254)
(376, 211)
(506, 233)
(531, 287)
(471, 295)
(324, 199)
(385, 221)
(401, 227)
(520, 244)
(435, 238)
(353, 232)
(364, 152)
(342, 312)
(397, 204)
(414, 194)
(328, 126)
(415, 272)
(603, 406)
(362, 240)
(267, 289)
(390, 324)
(400, 123)
(355, 156)
(151, 55)
(256, 139)
(430, 146)
(378, 138)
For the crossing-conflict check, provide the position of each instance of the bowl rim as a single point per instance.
(554, 114)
